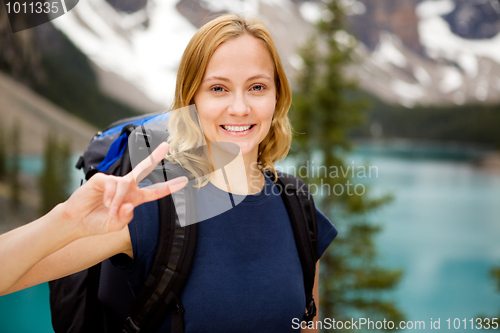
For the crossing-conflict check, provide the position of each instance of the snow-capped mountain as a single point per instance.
(431, 52)
(131, 50)
(412, 51)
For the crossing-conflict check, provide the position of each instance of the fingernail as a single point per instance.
(107, 203)
(177, 181)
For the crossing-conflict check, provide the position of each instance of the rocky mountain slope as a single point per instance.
(430, 52)
(37, 117)
(413, 51)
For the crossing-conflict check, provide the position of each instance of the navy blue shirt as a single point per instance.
(246, 274)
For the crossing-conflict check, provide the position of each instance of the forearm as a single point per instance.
(22, 248)
(89, 227)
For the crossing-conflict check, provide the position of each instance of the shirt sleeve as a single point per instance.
(144, 232)
(326, 232)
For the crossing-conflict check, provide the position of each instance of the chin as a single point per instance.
(245, 147)
(245, 150)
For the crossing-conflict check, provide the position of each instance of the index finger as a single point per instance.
(160, 190)
(143, 169)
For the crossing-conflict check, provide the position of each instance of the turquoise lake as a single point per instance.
(442, 229)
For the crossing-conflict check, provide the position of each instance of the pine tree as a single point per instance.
(495, 273)
(55, 176)
(65, 168)
(47, 178)
(324, 109)
(15, 167)
(486, 320)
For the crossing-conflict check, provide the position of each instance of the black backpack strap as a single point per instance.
(125, 164)
(302, 213)
(159, 295)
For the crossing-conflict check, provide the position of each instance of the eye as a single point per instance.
(217, 89)
(258, 87)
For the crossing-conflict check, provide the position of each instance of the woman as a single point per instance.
(232, 73)
(246, 274)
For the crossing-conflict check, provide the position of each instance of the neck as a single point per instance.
(240, 176)
(255, 178)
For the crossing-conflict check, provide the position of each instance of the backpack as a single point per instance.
(74, 302)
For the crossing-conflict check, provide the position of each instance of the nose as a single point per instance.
(239, 106)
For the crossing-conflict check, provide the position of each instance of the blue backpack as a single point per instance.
(74, 302)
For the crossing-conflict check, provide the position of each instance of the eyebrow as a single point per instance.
(221, 78)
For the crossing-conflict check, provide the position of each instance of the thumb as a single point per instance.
(124, 216)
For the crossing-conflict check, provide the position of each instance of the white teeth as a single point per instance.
(236, 128)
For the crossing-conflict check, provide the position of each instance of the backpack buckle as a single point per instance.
(80, 163)
(130, 327)
(310, 311)
(128, 129)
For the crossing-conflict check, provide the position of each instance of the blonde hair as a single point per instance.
(192, 68)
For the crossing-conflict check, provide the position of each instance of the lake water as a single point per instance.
(443, 229)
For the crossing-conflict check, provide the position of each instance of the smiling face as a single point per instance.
(237, 96)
